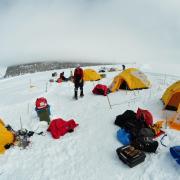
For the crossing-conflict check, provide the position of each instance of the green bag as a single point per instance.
(43, 115)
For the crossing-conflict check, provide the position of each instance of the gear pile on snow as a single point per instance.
(137, 135)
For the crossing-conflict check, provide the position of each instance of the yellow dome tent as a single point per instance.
(91, 75)
(171, 97)
(174, 122)
(6, 137)
(130, 79)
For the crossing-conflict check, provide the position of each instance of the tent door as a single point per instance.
(174, 102)
(123, 85)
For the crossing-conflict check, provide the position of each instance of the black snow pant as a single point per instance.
(78, 84)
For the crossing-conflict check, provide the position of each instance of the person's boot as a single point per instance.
(75, 95)
(81, 94)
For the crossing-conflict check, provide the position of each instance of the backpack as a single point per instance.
(146, 132)
(78, 73)
(144, 140)
(122, 119)
(129, 122)
(145, 115)
(41, 103)
(54, 74)
(146, 144)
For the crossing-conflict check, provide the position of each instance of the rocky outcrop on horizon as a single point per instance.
(21, 69)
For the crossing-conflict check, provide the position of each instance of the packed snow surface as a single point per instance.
(89, 153)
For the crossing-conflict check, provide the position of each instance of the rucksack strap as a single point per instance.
(162, 139)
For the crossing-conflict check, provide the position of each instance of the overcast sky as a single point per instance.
(89, 30)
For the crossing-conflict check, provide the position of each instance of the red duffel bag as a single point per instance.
(100, 90)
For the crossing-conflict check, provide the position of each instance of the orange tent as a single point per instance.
(171, 97)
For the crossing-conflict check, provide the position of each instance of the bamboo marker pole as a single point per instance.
(21, 123)
(164, 79)
(28, 108)
(109, 102)
(46, 87)
(30, 83)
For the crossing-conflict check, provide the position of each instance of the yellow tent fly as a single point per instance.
(6, 137)
(91, 75)
(130, 79)
(171, 97)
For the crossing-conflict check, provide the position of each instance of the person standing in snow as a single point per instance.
(78, 81)
(62, 77)
(123, 67)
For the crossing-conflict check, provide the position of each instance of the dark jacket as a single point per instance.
(78, 74)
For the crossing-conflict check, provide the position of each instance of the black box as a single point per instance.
(130, 156)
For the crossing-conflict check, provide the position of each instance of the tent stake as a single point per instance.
(134, 93)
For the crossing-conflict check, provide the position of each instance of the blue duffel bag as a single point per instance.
(175, 152)
(124, 137)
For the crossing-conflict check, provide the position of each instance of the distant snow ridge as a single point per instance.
(41, 66)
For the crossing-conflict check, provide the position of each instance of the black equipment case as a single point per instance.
(130, 156)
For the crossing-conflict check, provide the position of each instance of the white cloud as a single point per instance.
(96, 30)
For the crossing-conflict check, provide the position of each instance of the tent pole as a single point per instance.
(166, 120)
(126, 90)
